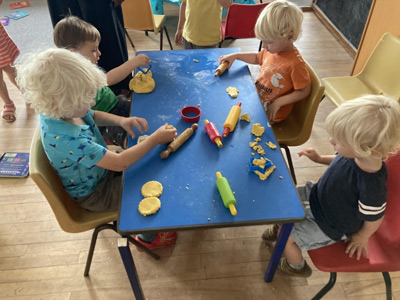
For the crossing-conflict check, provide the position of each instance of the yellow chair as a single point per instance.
(379, 76)
(296, 129)
(138, 15)
(71, 217)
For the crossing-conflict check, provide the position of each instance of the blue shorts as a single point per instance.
(307, 234)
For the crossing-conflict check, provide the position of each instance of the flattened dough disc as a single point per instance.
(152, 189)
(149, 206)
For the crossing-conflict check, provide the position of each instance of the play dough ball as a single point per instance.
(149, 206)
(152, 189)
(142, 83)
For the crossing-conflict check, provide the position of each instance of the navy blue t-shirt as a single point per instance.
(346, 196)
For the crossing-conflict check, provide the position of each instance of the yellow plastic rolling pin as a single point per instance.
(221, 69)
(232, 119)
(226, 193)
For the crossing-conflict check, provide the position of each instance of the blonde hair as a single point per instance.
(369, 125)
(279, 20)
(59, 82)
(72, 32)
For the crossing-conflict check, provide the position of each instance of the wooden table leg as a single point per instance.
(278, 250)
(127, 259)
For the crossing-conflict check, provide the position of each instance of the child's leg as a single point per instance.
(12, 74)
(293, 252)
(8, 114)
(294, 263)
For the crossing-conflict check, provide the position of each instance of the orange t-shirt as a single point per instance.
(280, 74)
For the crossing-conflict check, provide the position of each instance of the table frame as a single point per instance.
(283, 236)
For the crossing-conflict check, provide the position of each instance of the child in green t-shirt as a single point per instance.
(77, 35)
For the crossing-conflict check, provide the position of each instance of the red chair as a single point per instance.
(240, 21)
(383, 246)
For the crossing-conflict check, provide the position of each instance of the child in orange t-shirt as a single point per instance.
(283, 78)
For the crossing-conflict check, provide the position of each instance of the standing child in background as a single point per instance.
(199, 24)
(283, 78)
(349, 200)
(8, 53)
(61, 85)
(77, 35)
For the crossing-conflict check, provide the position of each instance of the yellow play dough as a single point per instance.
(152, 189)
(142, 83)
(149, 206)
(245, 117)
(267, 173)
(257, 129)
(271, 145)
(232, 91)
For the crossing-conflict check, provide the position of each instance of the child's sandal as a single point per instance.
(8, 114)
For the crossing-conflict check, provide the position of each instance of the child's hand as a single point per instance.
(178, 37)
(273, 108)
(139, 123)
(164, 135)
(311, 154)
(141, 60)
(228, 58)
(357, 244)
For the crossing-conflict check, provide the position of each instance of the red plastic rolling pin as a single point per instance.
(213, 133)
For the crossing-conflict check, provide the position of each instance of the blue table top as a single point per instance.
(190, 198)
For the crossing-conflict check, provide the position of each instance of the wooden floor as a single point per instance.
(39, 261)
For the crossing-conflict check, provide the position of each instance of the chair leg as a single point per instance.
(326, 288)
(93, 244)
(113, 227)
(161, 37)
(129, 38)
(166, 33)
(388, 284)
(290, 163)
(220, 44)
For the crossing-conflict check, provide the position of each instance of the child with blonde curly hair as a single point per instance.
(349, 200)
(61, 86)
(284, 77)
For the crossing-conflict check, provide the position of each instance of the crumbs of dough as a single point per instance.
(271, 145)
(245, 117)
(266, 174)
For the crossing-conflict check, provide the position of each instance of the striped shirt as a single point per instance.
(8, 50)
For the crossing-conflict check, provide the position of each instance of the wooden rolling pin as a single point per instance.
(183, 137)
(221, 69)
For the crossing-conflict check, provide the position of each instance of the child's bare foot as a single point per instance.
(8, 114)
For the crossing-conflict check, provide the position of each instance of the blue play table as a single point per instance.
(190, 199)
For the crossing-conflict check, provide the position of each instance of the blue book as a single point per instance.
(14, 164)
(16, 15)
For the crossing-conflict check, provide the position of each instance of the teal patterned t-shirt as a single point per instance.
(73, 152)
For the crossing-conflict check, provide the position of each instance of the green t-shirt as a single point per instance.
(105, 100)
